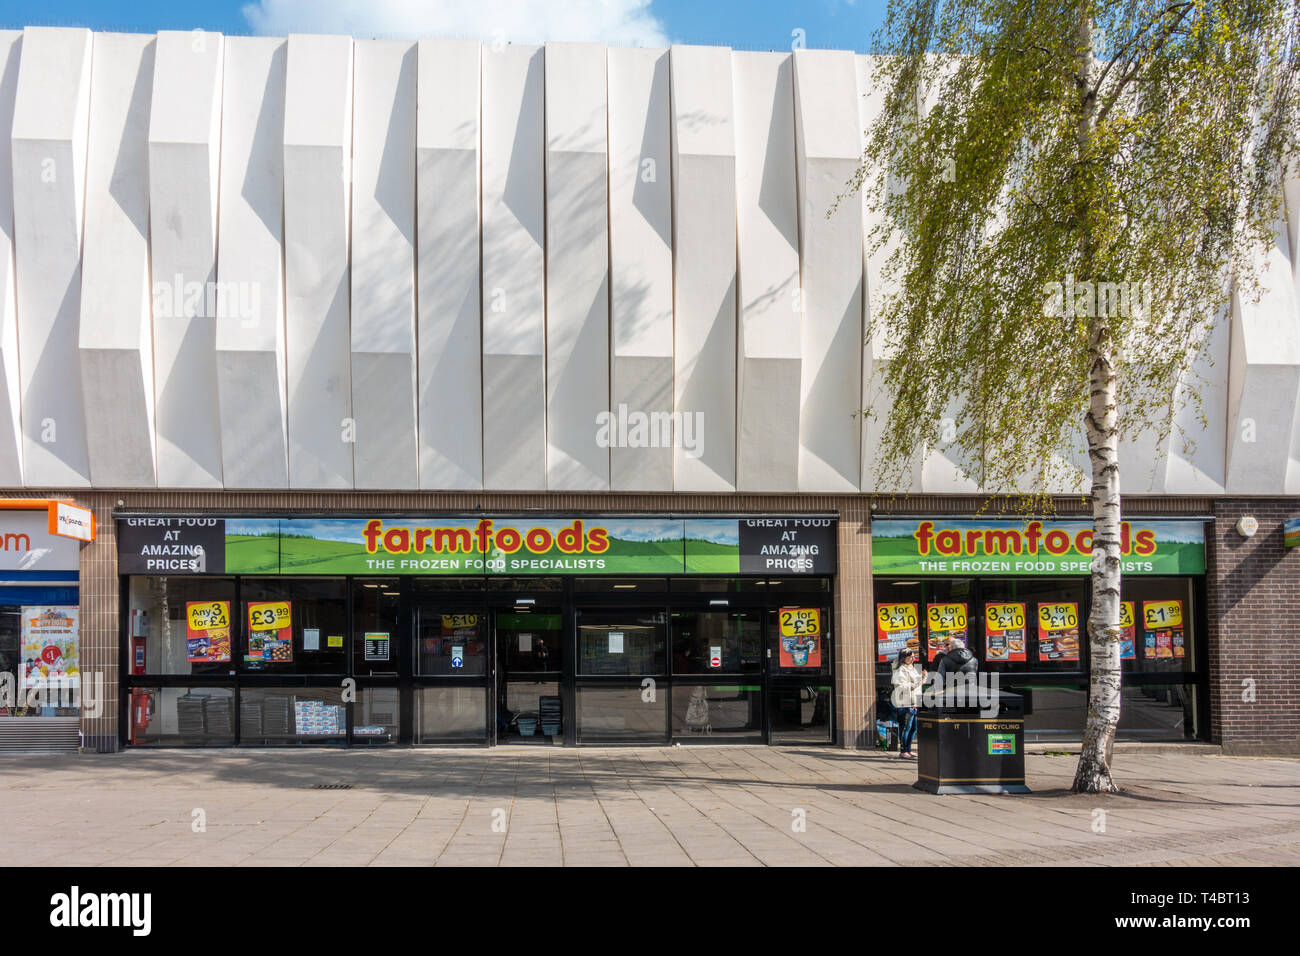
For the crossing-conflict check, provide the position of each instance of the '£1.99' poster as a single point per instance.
(896, 628)
(1162, 628)
(270, 632)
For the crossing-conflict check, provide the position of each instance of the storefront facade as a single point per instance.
(1017, 593)
(442, 282)
(484, 629)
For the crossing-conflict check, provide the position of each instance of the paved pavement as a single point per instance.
(662, 806)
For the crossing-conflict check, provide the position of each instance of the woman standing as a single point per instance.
(906, 697)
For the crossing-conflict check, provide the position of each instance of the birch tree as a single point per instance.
(1068, 195)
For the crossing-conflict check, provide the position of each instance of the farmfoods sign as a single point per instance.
(960, 546)
(479, 545)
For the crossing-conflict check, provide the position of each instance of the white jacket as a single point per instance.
(907, 686)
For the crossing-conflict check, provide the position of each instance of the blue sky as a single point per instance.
(742, 24)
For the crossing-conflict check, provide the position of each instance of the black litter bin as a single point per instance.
(961, 751)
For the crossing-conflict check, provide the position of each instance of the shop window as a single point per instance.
(450, 642)
(799, 639)
(717, 642)
(279, 716)
(621, 714)
(40, 645)
(181, 625)
(717, 585)
(1163, 625)
(616, 586)
(1055, 713)
(450, 715)
(711, 711)
(375, 716)
(800, 713)
(436, 585)
(374, 626)
(799, 584)
(1157, 712)
(530, 641)
(181, 716)
(530, 712)
(294, 625)
(622, 641)
(524, 586)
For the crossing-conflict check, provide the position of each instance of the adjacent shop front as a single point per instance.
(1018, 593)
(382, 629)
(40, 666)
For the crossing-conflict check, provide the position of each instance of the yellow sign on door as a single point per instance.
(800, 621)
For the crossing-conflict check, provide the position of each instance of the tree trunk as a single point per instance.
(1093, 773)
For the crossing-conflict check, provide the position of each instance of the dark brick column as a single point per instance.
(855, 648)
(1254, 629)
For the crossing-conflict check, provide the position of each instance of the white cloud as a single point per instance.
(616, 22)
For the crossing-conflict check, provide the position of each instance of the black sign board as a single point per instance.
(787, 545)
(168, 545)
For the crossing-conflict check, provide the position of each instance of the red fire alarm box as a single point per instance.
(141, 714)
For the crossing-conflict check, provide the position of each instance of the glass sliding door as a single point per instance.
(530, 656)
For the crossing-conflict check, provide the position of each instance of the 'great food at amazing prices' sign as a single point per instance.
(478, 545)
(961, 546)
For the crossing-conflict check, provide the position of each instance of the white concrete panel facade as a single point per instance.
(184, 160)
(829, 148)
(450, 324)
(577, 267)
(11, 426)
(514, 284)
(317, 236)
(641, 264)
(116, 333)
(313, 263)
(250, 273)
(385, 454)
(769, 357)
(50, 120)
(704, 266)
(1264, 378)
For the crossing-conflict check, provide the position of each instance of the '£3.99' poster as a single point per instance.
(270, 632)
(896, 628)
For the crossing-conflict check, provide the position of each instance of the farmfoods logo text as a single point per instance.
(486, 546)
(1033, 547)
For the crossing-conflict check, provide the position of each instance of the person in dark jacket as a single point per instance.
(958, 660)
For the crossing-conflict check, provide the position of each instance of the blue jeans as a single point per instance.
(906, 728)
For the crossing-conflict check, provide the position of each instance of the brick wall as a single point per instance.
(1254, 629)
